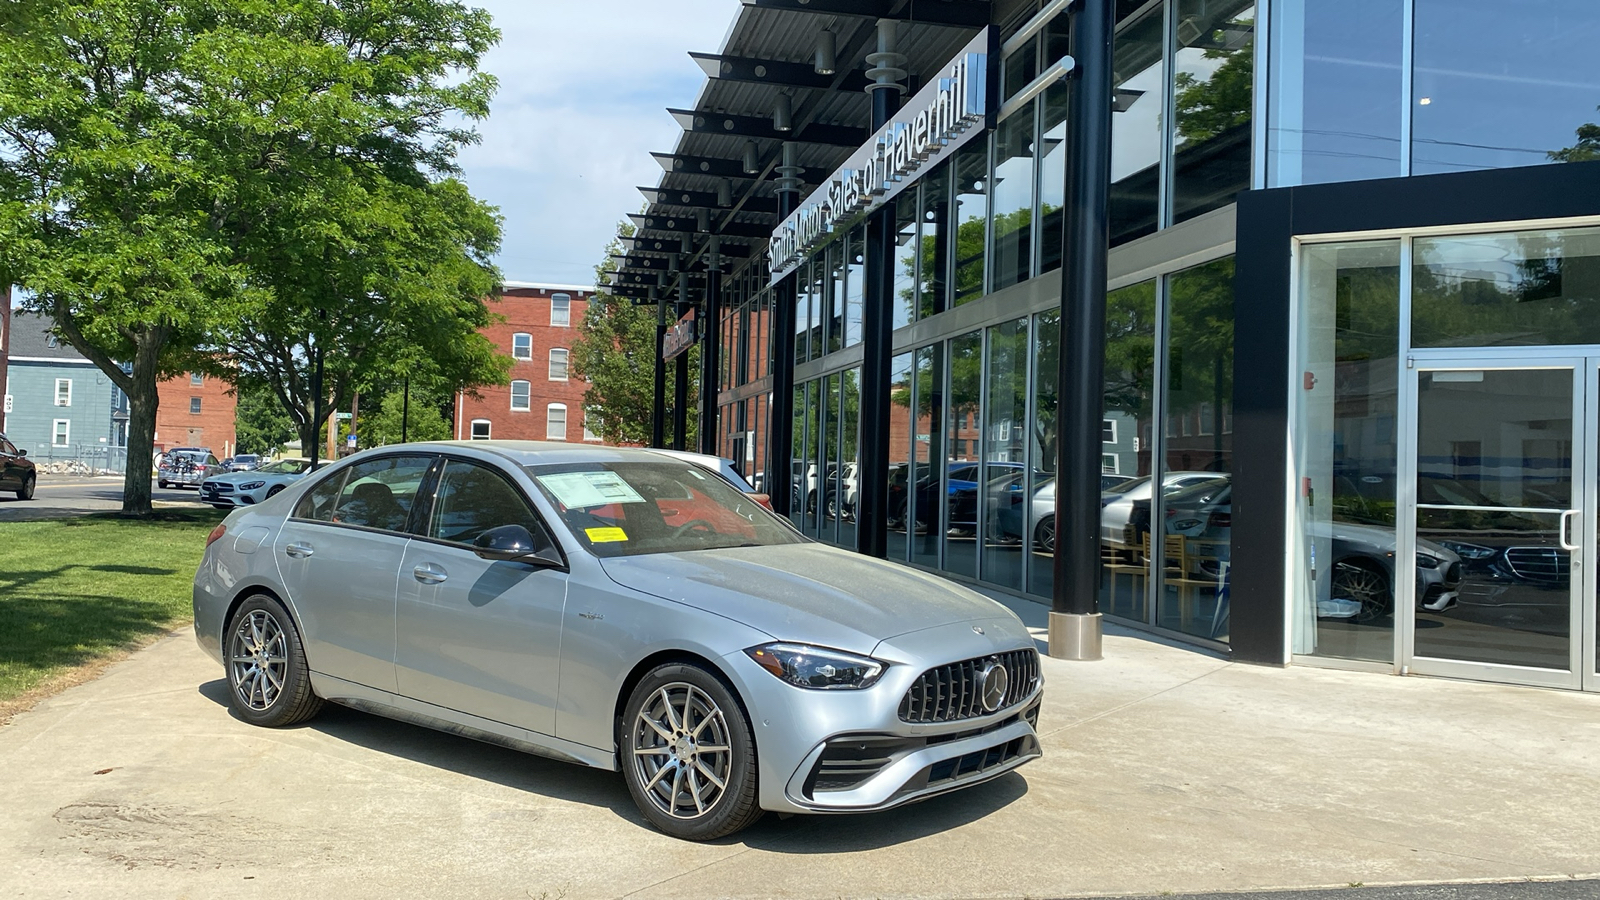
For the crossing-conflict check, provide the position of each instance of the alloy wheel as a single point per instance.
(1365, 586)
(682, 752)
(1045, 534)
(258, 660)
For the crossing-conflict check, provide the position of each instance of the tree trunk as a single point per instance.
(143, 401)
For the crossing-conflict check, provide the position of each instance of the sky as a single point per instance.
(584, 88)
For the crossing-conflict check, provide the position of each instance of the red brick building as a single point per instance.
(544, 402)
(196, 411)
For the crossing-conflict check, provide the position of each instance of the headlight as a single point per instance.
(816, 667)
(1424, 561)
(1468, 551)
(252, 485)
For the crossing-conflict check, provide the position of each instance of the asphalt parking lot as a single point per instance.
(1166, 770)
(63, 496)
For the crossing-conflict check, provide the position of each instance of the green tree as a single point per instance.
(615, 352)
(111, 186)
(1223, 102)
(425, 420)
(1586, 149)
(261, 424)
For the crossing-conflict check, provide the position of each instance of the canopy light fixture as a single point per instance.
(752, 159)
(783, 114)
(827, 53)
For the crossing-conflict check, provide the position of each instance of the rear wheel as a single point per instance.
(688, 755)
(1364, 583)
(26, 491)
(269, 683)
(161, 483)
(1044, 534)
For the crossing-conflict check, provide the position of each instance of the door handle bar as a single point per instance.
(428, 573)
(1569, 515)
(299, 550)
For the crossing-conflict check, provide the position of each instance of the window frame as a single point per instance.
(566, 311)
(472, 430)
(548, 410)
(195, 406)
(196, 379)
(422, 521)
(63, 433)
(527, 399)
(566, 361)
(514, 339)
(67, 404)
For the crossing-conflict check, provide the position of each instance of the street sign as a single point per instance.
(352, 441)
(341, 415)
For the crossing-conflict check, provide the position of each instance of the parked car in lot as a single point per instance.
(1116, 507)
(241, 462)
(622, 610)
(17, 472)
(247, 488)
(723, 467)
(187, 467)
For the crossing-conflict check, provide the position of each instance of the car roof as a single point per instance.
(536, 453)
(704, 459)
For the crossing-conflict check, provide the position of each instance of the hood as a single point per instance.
(1377, 539)
(807, 593)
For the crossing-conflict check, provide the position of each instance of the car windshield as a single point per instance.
(635, 508)
(1127, 486)
(286, 467)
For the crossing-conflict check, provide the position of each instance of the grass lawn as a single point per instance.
(73, 591)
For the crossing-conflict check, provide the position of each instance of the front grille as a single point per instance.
(222, 488)
(979, 761)
(955, 692)
(848, 762)
(1546, 565)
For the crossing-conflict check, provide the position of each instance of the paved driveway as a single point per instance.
(64, 496)
(1165, 770)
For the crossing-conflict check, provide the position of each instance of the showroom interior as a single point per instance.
(1351, 385)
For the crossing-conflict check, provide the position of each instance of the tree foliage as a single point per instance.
(260, 423)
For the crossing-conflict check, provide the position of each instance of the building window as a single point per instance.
(61, 433)
(522, 346)
(520, 392)
(1108, 463)
(555, 427)
(480, 429)
(588, 432)
(560, 310)
(1108, 431)
(63, 391)
(194, 406)
(558, 364)
(52, 341)
(196, 379)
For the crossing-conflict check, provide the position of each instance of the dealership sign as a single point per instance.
(939, 119)
(679, 337)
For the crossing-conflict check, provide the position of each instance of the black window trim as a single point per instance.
(344, 470)
(419, 526)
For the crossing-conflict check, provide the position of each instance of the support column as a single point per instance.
(1075, 627)
(780, 407)
(680, 381)
(877, 325)
(711, 354)
(658, 415)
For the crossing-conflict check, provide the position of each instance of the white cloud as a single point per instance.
(584, 88)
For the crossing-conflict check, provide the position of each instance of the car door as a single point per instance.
(475, 635)
(339, 555)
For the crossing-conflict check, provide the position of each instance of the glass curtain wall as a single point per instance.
(1138, 112)
(927, 462)
(962, 475)
(903, 295)
(841, 506)
(1003, 488)
(903, 433)
(1012, 188)
(1212, 104)
(1040, 527)
(1126, 439)
(933, 264)
(971, 167)
(854, 255)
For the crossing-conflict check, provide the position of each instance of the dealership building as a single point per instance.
(1350, 393)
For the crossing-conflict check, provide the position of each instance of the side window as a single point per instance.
(472, 499)
(318, 503)
(379, 493)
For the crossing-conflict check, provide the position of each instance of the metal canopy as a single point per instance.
(776, 72)
(758, 127)
(958, 13)
(669, 197)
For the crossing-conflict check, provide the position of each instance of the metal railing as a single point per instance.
(80, 459)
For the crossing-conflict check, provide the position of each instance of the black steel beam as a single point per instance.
(954, 13)
(685, 225)
(872, 448)
(710, 363)
(780, 410)
(658, 416)
(662, 196)
(760, 127)
(777, 72)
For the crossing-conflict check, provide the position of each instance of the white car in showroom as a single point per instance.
(234, 489)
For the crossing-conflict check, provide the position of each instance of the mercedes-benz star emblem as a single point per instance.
(995, 681)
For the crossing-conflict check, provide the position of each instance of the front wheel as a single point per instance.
(161, 484)
(1367, 585)
(269, 683)
(274, 491)
(26, 491)
(688, 754)
(1044, 534)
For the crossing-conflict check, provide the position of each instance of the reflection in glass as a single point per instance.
(1212, 96)
(854, 285)
(800, 456)
(1527, 97)
(1336, 91)
(1012, 188)
(1487, 440)
(1136, 134)
(972, 214)
(902, 438)
(1129, 404)
(961, 464)
(841, 506)
(1040, 528)
(1199, 439)
(1052, 177)
(1342, 566)
(903, 296)
(929, 452)
(1515, 289)
(833, 280)
(1019, 68)
(828, 465)
(1003, 487)
(934, 265)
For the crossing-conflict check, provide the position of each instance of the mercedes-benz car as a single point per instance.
(187, 467)
(247, 488)
(17, 472)
(622, 610)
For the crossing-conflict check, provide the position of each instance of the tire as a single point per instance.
(1355, 579)
(274, 491)
(161, 484)
(667, 776)
(830, 506)
(222, 506)
(271, 688)
(26, 491)
(1044, 534)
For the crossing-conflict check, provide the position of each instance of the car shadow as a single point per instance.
(606, 790)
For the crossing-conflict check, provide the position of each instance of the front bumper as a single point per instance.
(850, 752)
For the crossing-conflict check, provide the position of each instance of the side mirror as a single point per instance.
(21, 452)
(514, 543)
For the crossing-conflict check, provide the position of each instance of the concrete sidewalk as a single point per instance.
(1166, 769)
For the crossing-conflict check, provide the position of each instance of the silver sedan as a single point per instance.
(621, 610)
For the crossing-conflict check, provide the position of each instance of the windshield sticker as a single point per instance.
(581, 490)
(605, 535)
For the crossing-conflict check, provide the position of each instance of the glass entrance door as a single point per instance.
(1500, 506)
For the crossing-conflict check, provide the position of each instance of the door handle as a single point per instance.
(1569, 515)
(428, 573)
(299, 550)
